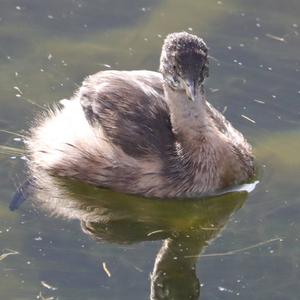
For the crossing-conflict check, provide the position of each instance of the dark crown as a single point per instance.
(183, 41)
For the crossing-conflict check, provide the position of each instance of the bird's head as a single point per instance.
(184, 63)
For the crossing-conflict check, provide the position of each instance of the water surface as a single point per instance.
(78, 242)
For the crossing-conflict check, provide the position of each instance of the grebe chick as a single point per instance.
(143, 132)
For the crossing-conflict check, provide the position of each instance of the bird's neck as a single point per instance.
(190, 121)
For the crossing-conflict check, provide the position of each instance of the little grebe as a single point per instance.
(144, 132)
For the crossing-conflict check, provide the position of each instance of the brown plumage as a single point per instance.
(144, 132)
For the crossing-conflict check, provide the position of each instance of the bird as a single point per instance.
(148, 133)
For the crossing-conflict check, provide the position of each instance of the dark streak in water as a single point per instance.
(22, 193)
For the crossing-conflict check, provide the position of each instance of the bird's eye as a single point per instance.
(200, 80)
(174, 82)
(205, 71)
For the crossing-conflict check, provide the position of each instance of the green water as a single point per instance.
(92, 244)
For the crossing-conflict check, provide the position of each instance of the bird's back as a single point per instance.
(130, 108)
(116, 132)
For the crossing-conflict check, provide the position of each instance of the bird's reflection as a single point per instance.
(185, 226)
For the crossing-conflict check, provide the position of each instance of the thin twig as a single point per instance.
(249, 119)
(11, 150)
(34, 103)
(106, 269)
(10, 252)
(232, 252)
(154, 232)
(13, 133)
(275, 37)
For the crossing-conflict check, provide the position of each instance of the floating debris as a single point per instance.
(48, 286)
(138, 269)
(18, 89)
(106, 269)
(210, 228)
(249, 119)
(214, 90)
(145, 9)
(223, 289)
(8, 253)
(40, 296)
(33, 103)
(11, 132)
(106, 66)
(154, 232)
(10, 151)
(232, 252)
(213, 58)
(275, 37)
(259, 101)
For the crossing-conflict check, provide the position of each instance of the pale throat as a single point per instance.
(189, 119)
(195, 132)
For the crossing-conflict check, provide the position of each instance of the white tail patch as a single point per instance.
(50, 142)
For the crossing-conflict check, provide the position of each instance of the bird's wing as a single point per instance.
(130, 108)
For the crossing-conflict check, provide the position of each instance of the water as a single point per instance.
(76, 242)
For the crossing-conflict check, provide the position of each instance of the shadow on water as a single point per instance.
(185, 227)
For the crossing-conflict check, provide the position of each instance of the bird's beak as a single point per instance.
(191, 90)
